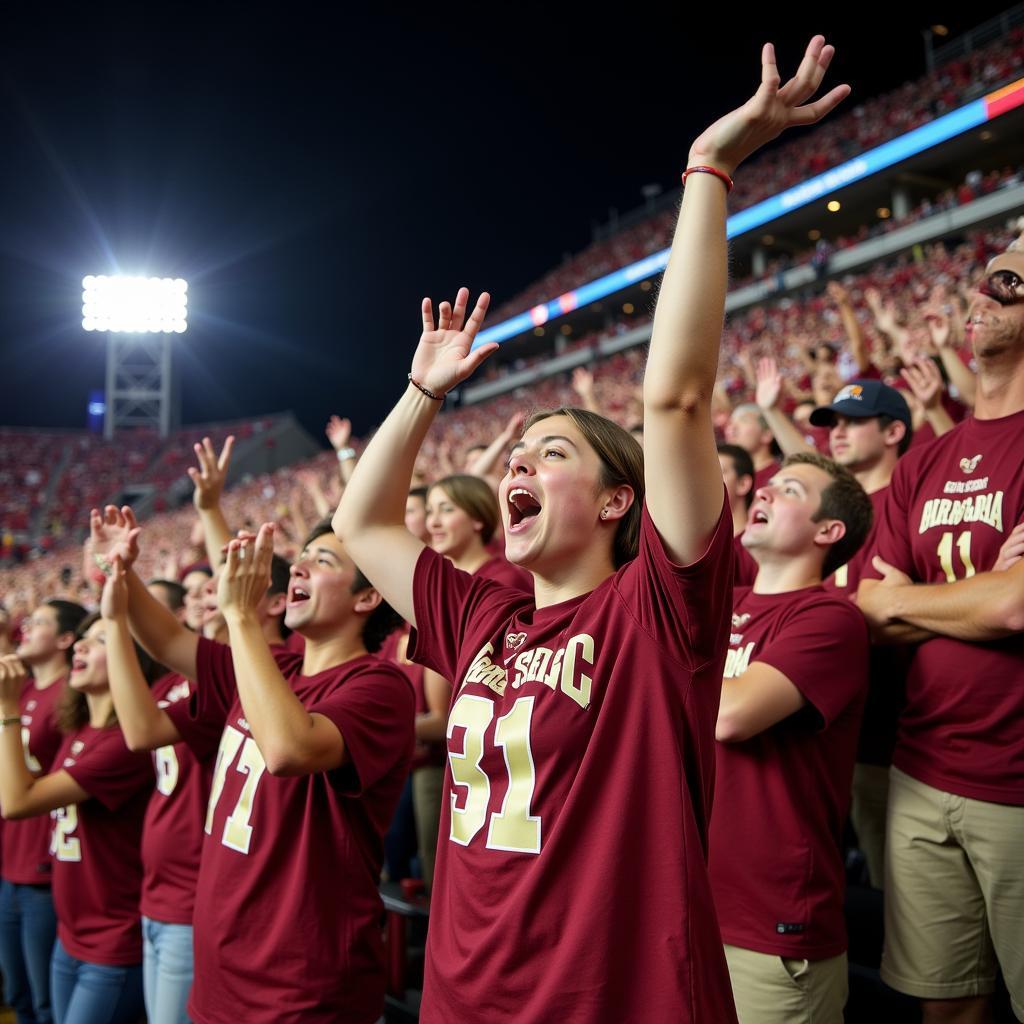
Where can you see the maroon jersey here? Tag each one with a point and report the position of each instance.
(887, 671)
(499, 569)
(26, 843)
(172, 837)
(763, 477)
(395, 649)
(97, 866)
(745, 568)
(571, 882)
(783, 795)
(288, 928)
(952, 505)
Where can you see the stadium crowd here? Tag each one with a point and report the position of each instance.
(864, 127)
(729, 607)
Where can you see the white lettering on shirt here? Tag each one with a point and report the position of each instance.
(965, 486)
(982, 508)
(562, 669)
(737, 660)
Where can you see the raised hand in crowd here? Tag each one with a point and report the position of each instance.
(339, 433)
(925, 382)
(209, 480)
(583, 385)
(211, 475)
(114, 531)
(851, 325)
(489, 463)
(768, 394)
(310, 480)
(944, 321)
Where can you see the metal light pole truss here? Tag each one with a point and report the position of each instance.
(138, 382)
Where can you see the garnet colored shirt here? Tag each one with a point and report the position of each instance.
(97, 866)
(26, 843)
(782, 796)
(288, 922)
(571, 882)
(499, 569)
(172, 837)
(763, 477)
(887, 670)
(952, 505)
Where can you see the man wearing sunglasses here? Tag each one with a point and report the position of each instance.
(954, 869)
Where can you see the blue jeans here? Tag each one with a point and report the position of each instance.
(166, 970)
(86, 993)
(28, 927)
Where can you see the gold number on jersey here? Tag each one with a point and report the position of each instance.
(33, 765)
(945, 550)
(62, 845)
(513, 828)
(237, 830)
(165, 761)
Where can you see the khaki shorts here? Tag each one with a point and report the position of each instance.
(954, 894)
(778, 990)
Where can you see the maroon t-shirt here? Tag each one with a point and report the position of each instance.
(745, 568)
(26, 843)
(888, 666)
(571, 882)
(395, 649)
(762, 477)
(97, 866)
(288, 928)
(501, 570)
(951, 506)
(172, 837)
(783, 795)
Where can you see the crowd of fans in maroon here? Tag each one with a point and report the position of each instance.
(814, 650)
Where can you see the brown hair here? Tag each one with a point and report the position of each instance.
(474, 496)
(383, 620)
(844, 499)
(72, 711)
(622, 462)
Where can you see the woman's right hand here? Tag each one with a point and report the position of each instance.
(445, 356)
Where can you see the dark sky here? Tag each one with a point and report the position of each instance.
(313, 170)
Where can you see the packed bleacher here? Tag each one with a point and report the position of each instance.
(707, 713)
(864, 127)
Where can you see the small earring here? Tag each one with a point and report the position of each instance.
(604, 513)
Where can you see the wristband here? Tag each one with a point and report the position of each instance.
(344, 454)
(13, 720)
(703, 169)
(426, 391)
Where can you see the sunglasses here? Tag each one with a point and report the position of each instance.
(1006, 287)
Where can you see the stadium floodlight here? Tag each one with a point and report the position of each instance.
(135, 305)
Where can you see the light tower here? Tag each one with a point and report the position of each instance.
(140, 316)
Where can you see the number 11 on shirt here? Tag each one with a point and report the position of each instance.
(513, 828)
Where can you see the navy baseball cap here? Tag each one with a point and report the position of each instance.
(863, 398)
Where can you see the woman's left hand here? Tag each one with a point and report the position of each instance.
(771, 110)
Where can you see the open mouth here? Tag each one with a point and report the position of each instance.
(297, 595)
(522, 507)
(79, 665)
(760, 516)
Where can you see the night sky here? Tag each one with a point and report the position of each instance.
(313, 170)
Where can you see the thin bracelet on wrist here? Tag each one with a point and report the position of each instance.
(344, 454)
(419, 387)
(704, 169)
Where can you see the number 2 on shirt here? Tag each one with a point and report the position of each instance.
(62, 845)
(512, 828)
(237, 830)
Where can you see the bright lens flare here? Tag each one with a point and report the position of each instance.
(135, 305)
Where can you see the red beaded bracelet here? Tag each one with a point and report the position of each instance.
(419, 387)
(702, 169)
